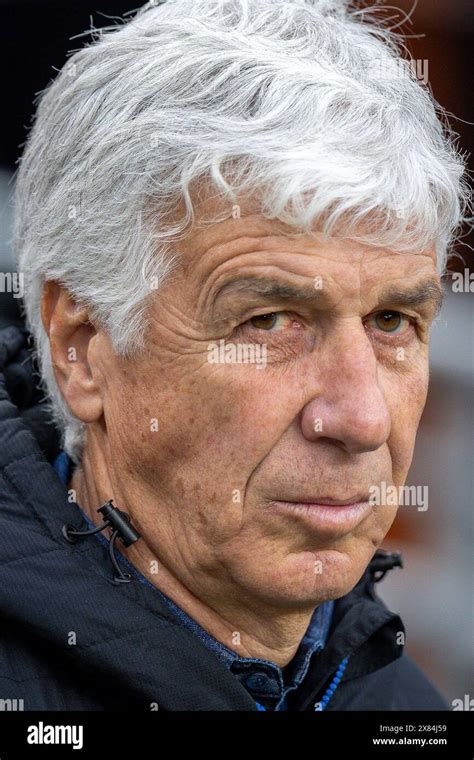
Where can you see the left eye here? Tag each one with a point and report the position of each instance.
(391, 321)
(269, 321)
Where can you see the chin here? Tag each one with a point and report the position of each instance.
(301, 580)
(341, 572)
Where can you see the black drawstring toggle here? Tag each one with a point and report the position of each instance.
(121, 526)
(383, 562)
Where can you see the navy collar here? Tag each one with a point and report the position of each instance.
(264, 680)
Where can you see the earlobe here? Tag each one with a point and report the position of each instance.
(71, 338)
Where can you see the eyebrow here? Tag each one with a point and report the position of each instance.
(270, 289)
(416, 296)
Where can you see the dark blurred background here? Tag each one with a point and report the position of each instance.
(434, 592)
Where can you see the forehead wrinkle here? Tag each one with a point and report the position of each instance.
(224, 241)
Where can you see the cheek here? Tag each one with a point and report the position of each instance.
(407, 401)
(198, 438)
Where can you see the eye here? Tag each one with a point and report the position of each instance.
(391, 322)
(269, 321)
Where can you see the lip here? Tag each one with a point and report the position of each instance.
(328, 517)
(333, 502)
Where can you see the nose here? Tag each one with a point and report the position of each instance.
(349, 409)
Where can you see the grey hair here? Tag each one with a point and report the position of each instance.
(305, 101)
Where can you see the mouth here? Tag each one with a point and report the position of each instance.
(330, 501)
(332, 517)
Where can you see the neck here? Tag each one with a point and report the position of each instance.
(247, 626)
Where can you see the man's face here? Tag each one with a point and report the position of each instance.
(215, 450)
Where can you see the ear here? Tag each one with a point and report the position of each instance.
(72, 340)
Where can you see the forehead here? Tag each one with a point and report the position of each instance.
(221, 227)
(214, 250)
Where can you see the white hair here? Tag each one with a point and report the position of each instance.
(306, 102)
